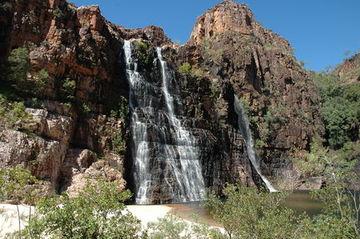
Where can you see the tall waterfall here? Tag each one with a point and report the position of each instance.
(140, 147)
(166, 165)
(244, 128)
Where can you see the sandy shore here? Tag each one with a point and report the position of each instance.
(9, 222)
(149, 213)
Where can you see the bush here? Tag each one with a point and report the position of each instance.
(12, 114)
(316, 160)
(68, 89)
(143, 52)
(58, 13)
(341, 119)
(122, 109)
(97, 212)
(41, 79)
(19, 66)
(215, 88)
(248, 213)
(17, 70)
(340, 109)
(85, 108)
(185, 68)
(119, 144)
(13, 182)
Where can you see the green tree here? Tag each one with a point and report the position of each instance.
(185, 68)
(12, 114)
(19, 65)
(17, 70)
(97, 212)
(340, 109)
(249, 213)
(14, 187)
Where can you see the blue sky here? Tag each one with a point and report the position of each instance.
(322, 32)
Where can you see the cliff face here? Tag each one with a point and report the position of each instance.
(230, 47)
(228, 53)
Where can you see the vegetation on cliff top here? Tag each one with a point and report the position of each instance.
(340, 109)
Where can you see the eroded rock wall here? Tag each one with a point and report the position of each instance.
(228, 52)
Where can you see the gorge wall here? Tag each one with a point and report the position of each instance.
(80, 124)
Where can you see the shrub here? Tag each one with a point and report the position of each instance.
(13, 182)
(122, 109)
(68, 89)
(118, 144)
(316, 160)
(58, 13)
(143, 52)
(215, 88)
(248, 213)
(185, 68)
(340, 109)
(341, 119)
(17, 70)
(19, 66)
(97, 212)
(85, 108)
(12, 114)
(41, 79)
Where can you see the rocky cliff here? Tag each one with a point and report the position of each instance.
(79, 121)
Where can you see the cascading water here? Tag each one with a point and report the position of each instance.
(244, 127)
(140, 147)
(166, 166)
(190, 176)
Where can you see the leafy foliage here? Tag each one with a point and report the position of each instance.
(17, 71)
(122, 109)
(68, 89)
(97, 212)
(314, 163)
(247, 213)
(85, 108)
(19, 65)
(143, 52)
(185, 68)
(58, 13)
(119, 144)
(12, 114)
(13, 182)
(340, 109)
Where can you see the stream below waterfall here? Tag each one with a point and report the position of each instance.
(299, 201)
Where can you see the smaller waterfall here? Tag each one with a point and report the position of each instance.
(244, 127)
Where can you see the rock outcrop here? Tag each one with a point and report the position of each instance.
(82, 115)
(349, 71)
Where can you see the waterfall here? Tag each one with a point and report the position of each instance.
(140, 146)
(244, 127)
(166, 164)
